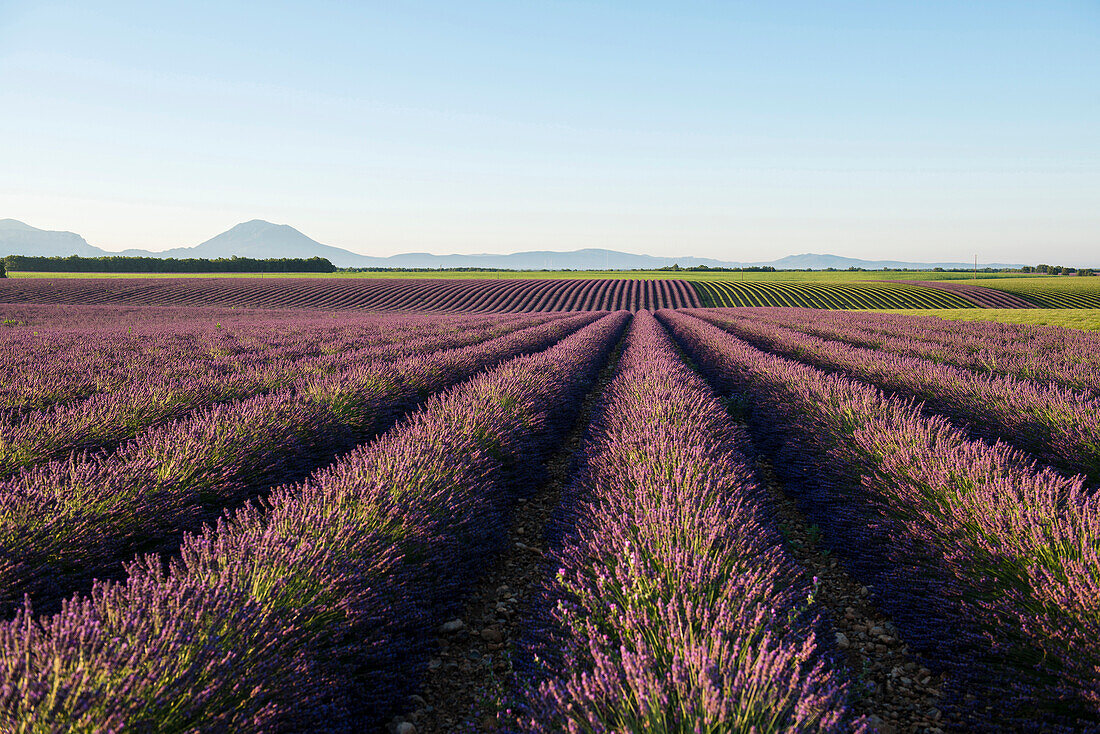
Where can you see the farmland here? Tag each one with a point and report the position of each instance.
(554, 505)
(826, 276)
(528, 292)
(1052, 292)
(429, 295)
(507, 295)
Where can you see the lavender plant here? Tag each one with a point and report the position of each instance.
(67, 522)
(675, 607)
(986, 560)
(192, 376)
(1068, 357)
(1056, 424)
(310, 611)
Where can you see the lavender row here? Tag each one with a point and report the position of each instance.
(1058, 425)
(106, 419)
(675, 606)
(1069, 357)
(986, 561)
(46, 368)
(51, 367)
(102, 316)
(312, 612)
(67, 522)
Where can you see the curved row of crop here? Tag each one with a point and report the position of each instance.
(1069, 357)
(980, 296)
(312, 613)
(724, 293)
(437, 295)
(679, 592)
(1056, 424)
(986, 562)
(67, 522)
(1047, 291)
(516, 295)
(1054, 299)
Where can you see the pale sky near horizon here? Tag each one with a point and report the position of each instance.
(736, 130)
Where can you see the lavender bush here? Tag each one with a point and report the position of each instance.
(311, 611)
(1058, 425)
(676, 607)
(66, 522)
(1069, 357)
(192, 375)
(57, 354)
(984, 559)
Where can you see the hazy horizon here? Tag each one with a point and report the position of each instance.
(731, 131)
(1086, 262)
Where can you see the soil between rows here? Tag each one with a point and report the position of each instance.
(466, 686)
(888, 681)
(889, 684)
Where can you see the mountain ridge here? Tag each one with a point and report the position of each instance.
(259, 239)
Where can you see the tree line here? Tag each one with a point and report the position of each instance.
(1057, 270)
(675, 267)
(123, 264)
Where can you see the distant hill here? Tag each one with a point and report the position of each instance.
(589, 259)
(260, 239)
(17, 238)
(821, 262)
(256, 239)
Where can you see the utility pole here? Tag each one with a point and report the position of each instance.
(975, 268)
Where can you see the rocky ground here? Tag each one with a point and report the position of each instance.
(890, 685)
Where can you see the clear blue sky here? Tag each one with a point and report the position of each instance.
(920, 131)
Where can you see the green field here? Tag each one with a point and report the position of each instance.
(1075, 318)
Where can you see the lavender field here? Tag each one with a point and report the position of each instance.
(692, 520)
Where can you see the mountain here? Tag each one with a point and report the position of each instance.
(260, 239)
(17, 238)
(810, 261)
(589, 259)
(257, 239)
